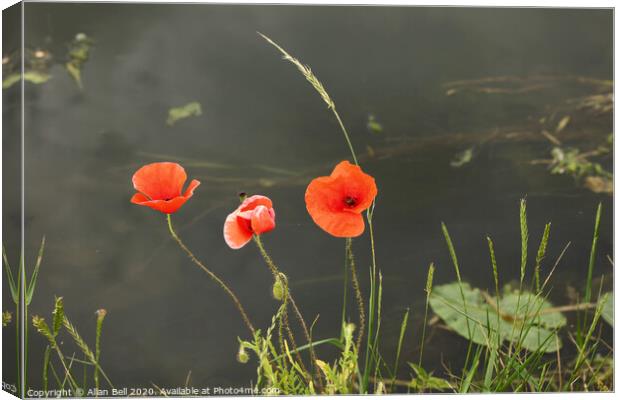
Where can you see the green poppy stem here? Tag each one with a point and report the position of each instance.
(212, 275)
(276, 273)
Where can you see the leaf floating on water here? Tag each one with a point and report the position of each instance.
(75, 73)
(371, 151)
(79, 51)
(10, 80)
(533, 319)
(264, 182)
(175, 114)
(608, 308)
(462, 158)
(35, 77)
(373, 125)
(598, 184)
(562, 124)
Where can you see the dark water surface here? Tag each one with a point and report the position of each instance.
(264, 130)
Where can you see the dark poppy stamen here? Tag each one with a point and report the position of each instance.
(350, 201)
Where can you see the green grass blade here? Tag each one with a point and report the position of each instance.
(455, 261)
(401, 337)
(472, 371)
(333, 341)
(428, 289)
(9, 276)
(588, 293)
(35, 273)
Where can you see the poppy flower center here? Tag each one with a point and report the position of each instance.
(350, 201)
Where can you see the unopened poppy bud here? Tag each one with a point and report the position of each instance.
(278, 290)
(242, 356)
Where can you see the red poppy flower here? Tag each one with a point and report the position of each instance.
(336, 202)
(159, 186)
(254, 216)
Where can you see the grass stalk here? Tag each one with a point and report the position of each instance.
(455, 262)
(84, 348)
(542, 249)
(373, 302)
(318, 86)
(496, 281)
(428, 290)
(524, 240)
(41, 326)
(344, 293)
(46, 362)
(401, 338)
(592, 259)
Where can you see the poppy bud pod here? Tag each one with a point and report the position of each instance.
(278, 290)
(242, 356)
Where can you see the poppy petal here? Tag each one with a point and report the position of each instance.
(359, 185)
(235, 234)
(263, 220)
(340, 224)
(139, 198)
(189, 192)
(325, 193)
(165, 206)
(254, 201)
(323, 202)
(160, 181)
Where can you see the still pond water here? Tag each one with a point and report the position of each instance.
(264, 130)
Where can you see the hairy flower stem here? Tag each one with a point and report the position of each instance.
(276, 275)
(230, 293)
(284, 321)
(358, 293)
